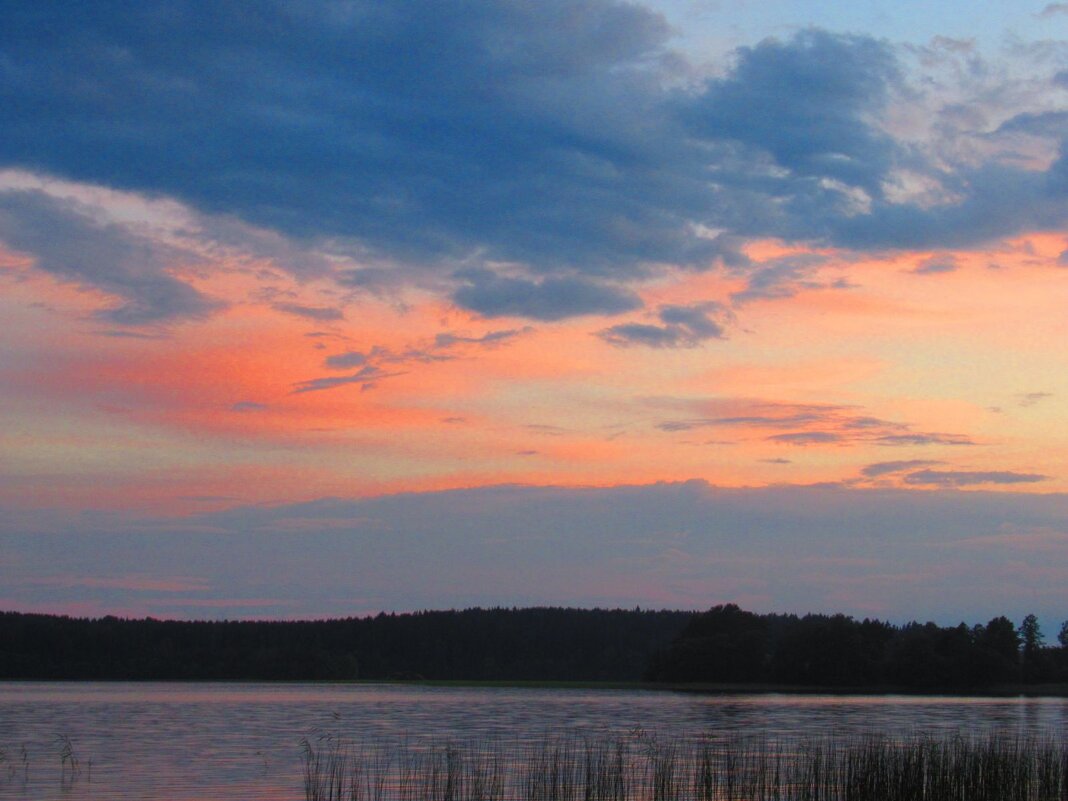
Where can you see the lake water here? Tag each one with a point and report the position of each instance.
(180, 742)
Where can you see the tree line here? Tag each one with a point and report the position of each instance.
(730, 645)
(547, 644)
(725, 645)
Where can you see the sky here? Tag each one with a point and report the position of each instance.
(328, 308)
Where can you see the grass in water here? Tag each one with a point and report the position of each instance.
(637, 767)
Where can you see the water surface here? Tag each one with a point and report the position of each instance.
(180, 742)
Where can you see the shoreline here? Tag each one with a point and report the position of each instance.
(712, 689)
(999, 691)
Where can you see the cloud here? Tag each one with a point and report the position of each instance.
(915, 438)
(805, 423)
(780, 278)
(1016, 541)
(122, 333)
(806, 109)
(449, 339)
(936, 265)
(223, 234)
(888, 468)
(652, 336)
(372, 362)
(552, 145)
(1061, 79)
(567, 546)
(423, 355)
(373, 279)
(995, 201)
(178, 584)
(445, 341)
(248, 406)
(346, 360)
(66, 241)
(1053, 9)
(965, 478)
(695, 319)
(1027, 399)
(684, 327)
(804, 103)
(317, 313)
(549, 299)
(760, 414)
(1051, 124)
(529, 132)
(807, 437)
(365, 378)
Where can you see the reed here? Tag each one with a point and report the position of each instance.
(639, 767)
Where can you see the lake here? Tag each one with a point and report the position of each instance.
(186, 742)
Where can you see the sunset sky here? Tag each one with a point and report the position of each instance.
(327, 308)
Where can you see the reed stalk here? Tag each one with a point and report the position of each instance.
(643, 768)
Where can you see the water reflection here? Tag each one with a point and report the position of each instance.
(195, 741)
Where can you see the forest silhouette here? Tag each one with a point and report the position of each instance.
(724, 646)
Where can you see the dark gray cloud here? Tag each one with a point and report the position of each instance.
(1063, 258)
(248, 406)
(323, 314)
(997, 201)
(807, 424)
(1056, 180)
(807, 437)
(1052, 9)
(966, 478)
(803, 103)
(365, 378)
(780, 278)
(546, 299)
(766, 415)
(372, 279)
(817, 92)
(916, 438)
(695, 319)
(528, 131)
(346, 360)
(683, 327)
(888, 468)
(547, 136)
(652, 336)
(1053, 124)
(373, 363)
(449, 339)
(125, 333)
(1027, 399)
(372, 368)
(380, 354)
(774, 414)
(936, 265)
(67, 242)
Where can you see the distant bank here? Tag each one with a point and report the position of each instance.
(724, 649)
